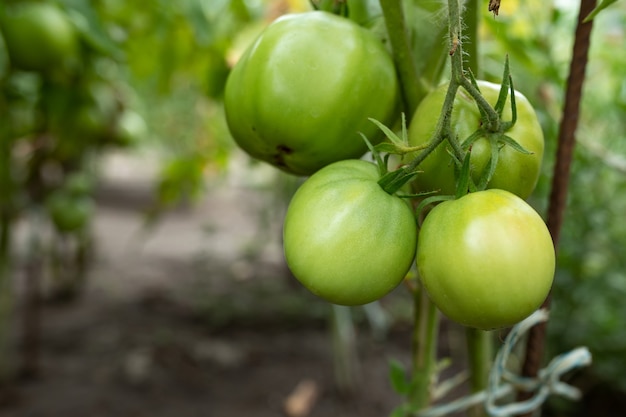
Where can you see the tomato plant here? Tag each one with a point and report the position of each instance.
(346, 239)
(516, 172)
(486, 260)
(302, 92)
(38, 36)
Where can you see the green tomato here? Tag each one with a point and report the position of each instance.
(69, 213)
(38, 36)
(345, 239)
(516, 172)
(78, 184)
(302, 92)
(130, 129)
(486, 260)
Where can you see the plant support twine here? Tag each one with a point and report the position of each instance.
(503, 382)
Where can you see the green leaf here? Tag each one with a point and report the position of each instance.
(504, 88)
(394, 180)
(431, 200)
(467, 143)
(398, 377)
(388, 132)
(487, 173)
(509, 141)
(382, 165)
(603, 5)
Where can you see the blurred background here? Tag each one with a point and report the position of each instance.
(141, 266)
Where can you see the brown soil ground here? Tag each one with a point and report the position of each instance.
(198, 316)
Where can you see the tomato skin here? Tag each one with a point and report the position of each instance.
(515, 172)
(303, 90)
(38, 36)
(345, 238)
(486, 260)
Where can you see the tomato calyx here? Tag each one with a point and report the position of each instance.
(492, 127)
(392, 181)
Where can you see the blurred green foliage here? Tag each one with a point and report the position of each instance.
(177, 56)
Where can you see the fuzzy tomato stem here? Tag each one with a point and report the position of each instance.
(412, 90)
(425, 332)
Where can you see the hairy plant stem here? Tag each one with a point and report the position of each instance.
(426, 316)
(442, 130)
(425, 333)
(426, 324)
(480, 354)
(479, 343)
(471, 18)
(412, 90)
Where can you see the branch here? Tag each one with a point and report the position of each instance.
(560, 179)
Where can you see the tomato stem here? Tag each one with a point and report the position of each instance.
(493, 118)
(480, 354)
(471, 19)
(425, 334)
(412, 90)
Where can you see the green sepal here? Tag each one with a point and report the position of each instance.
(467, 143)
(416, 195)
(509, 141)
(504, 88)
(431, 200)
(464, 176)
(487, 173)
(398, 145)
(390, 134)
(394, 180)
(380, 162)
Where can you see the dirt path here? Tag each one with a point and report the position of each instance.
(196, 317)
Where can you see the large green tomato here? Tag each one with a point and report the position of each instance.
(516, 172)
(302, 92)
(486, 260)
(38, 36)
(345, 238)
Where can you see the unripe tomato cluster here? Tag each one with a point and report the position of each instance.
(77, 108)
(298, 99)
(39, 36)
